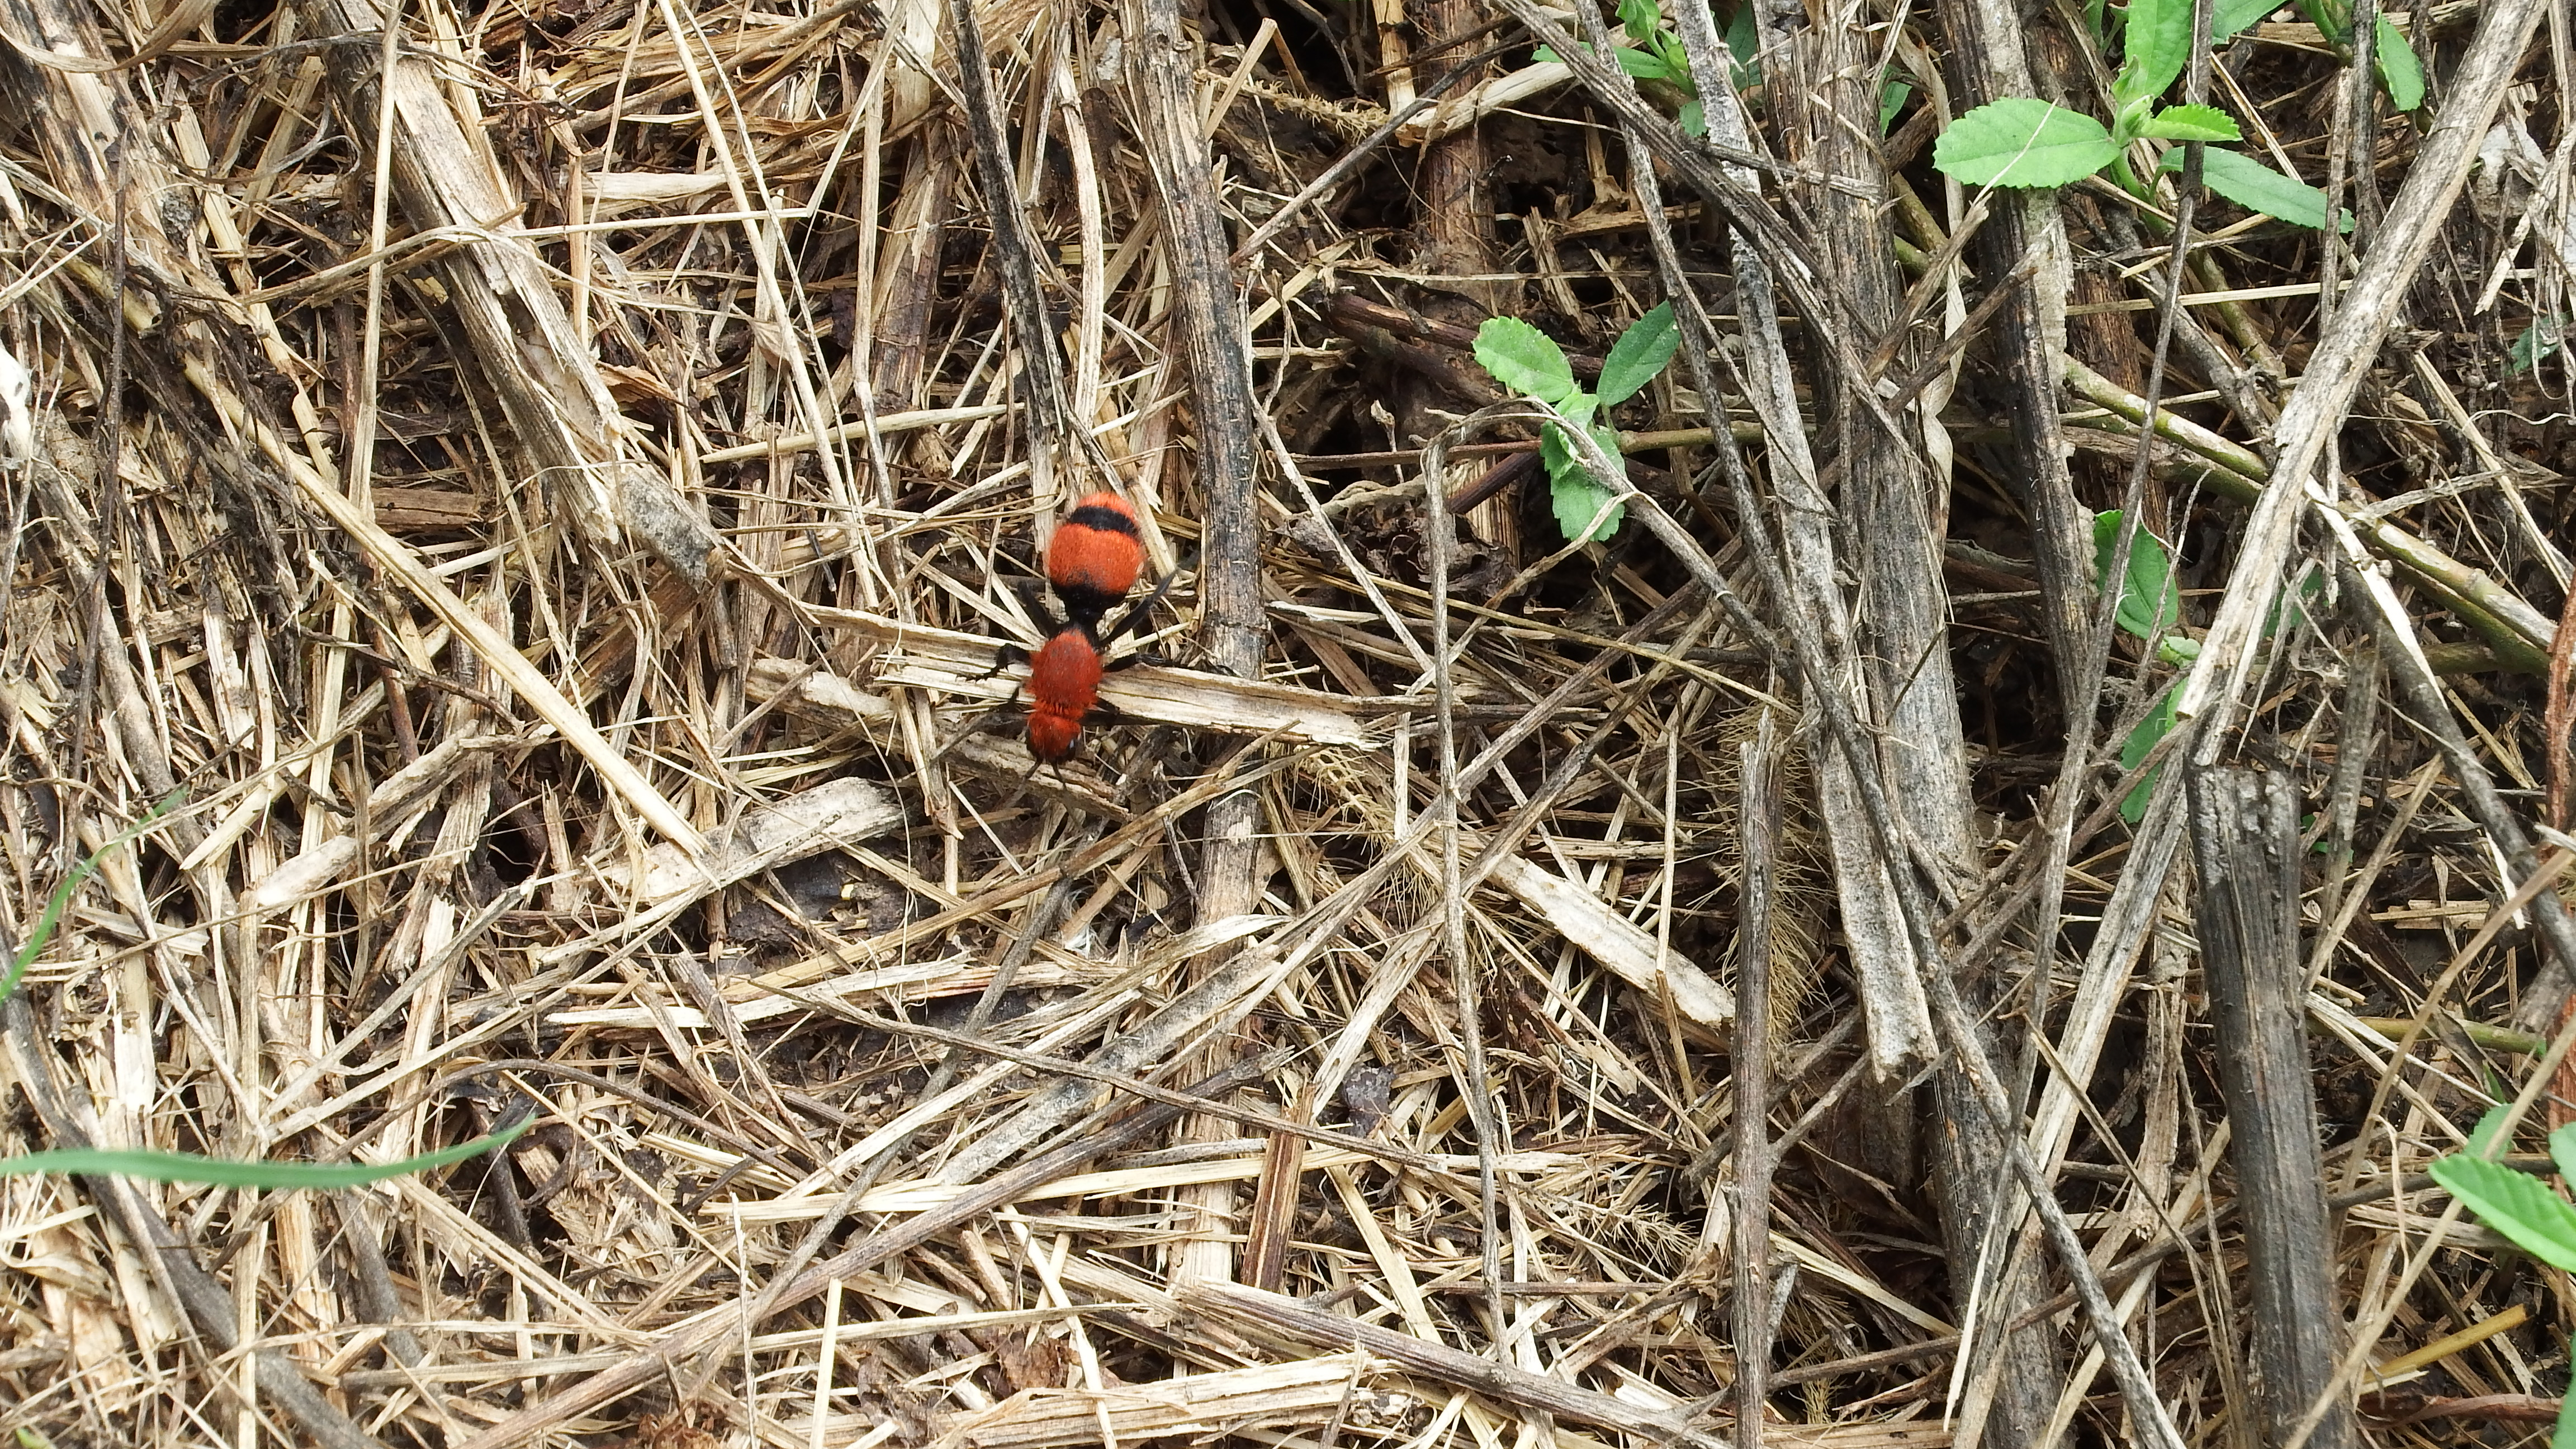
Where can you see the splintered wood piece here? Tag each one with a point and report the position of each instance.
(2245, 850)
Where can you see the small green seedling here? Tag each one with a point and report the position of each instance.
(52, 916)
(185, 1166)
(2401, 74)
(2150, 607)
(1529, 362)
(1891, 100)
(2520, 1207)
(1654, 55)
(2537, 344)
(2022, 142)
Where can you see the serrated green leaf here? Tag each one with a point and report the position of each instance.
(1524, 359)
(1574, 494)
(2257, 187)
(2491, 1123)
(2228, 17)
(2149, 602)
(224, 1172)
(1557, 454)
(2399, 69)
(2158, 724)
(2537, 1220)
(2018, 141)
(2192, 123)
(1640, 353)
(2158, 45)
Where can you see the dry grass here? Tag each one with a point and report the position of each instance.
(553, 535)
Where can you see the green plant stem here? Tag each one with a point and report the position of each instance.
(2497, 1038)
(2129, 181)
(2101, 391)
(2238, 323)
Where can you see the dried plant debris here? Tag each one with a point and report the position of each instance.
(547, 505)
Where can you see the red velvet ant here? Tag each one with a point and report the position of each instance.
(1063, 685)
(1091, 563)
(1095, 556)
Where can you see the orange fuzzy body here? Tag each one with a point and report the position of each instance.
(1095, 556)
(1064, 683)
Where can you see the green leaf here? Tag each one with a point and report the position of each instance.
(2192, 123)
(2257, 187)
(2311, 583)
(2537, 1220)
(2149, 601)
(2564, 1436)
(1545, 54)
(1743, 45)
(1640, 353)
(1639, 17)
(2536, 344)
(2158, 724)
(1638, 63)
(1693, 119)
(1524, 359)
(2128, 123)
(2484, 1139)
(2227, 17)
(1891, 99)
(1574, 493)
(2399, 70)
(224, 1172)
(2562, 1150)
(2018, 141)
(62, 896)
(2334, 17)
(2158, 44)
(1677, 68)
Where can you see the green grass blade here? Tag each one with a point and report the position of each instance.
(62, 897)
(227, 1172)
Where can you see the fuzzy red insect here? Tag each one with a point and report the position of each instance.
(1064, 683)
(1095, 556)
